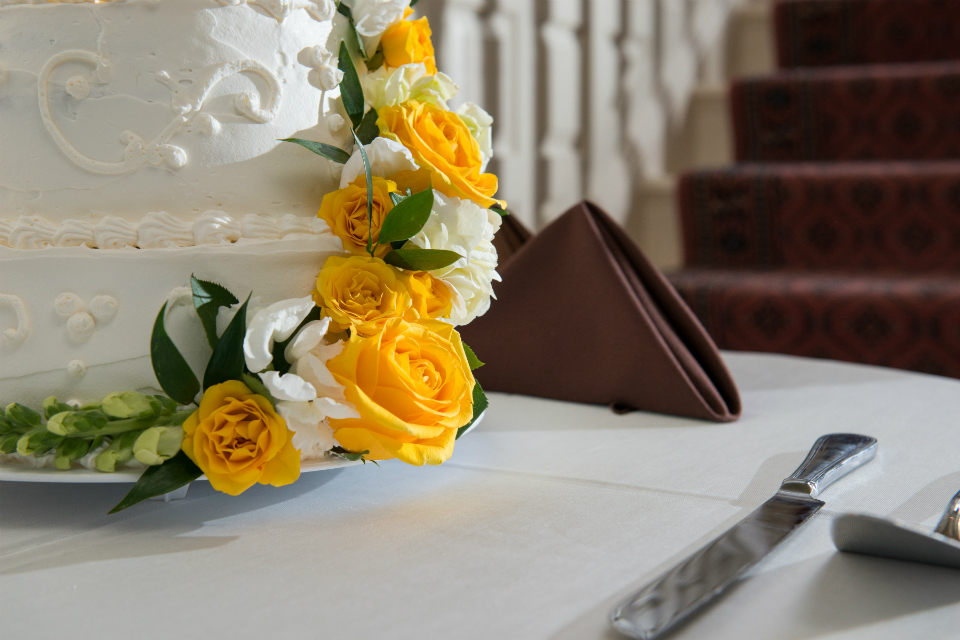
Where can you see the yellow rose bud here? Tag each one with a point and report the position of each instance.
(430, 297)
(238, 439)
(345, 210)
(413, 389)
(361, 292)
(440, 142)
(408, 42)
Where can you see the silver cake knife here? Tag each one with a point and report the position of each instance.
(659, 606)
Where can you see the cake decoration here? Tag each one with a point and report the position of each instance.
(353, 349)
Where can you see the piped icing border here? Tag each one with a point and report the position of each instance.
(157, 230)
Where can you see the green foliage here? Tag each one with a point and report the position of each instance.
(340, 452)
(173, 373)
(369, 176)
(480, 404)
(407, 217)
(256, 385)
(499, 211)
(421, 259)
(367, 130)
(37, 442)
(376, 60)
(328, 151)
(351, 93)
(119, 450)
(472, 358)
(8, 442)
(158, 480)
(21, 417)
(69, 450)
(208, 298)
(226, 363)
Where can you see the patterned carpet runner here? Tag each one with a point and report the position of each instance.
(838, 235)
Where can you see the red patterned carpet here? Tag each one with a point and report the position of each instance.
(839, 234)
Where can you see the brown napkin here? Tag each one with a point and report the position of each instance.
(582, 315)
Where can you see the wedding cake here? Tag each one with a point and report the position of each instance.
(235, 236)
(139, 144)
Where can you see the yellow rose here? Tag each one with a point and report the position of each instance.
(440, 142)
(361, 292)
(345, 210)
(413, 388)
(237, 440)
(431, 298)
(408, 42)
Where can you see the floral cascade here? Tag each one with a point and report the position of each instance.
(367, 366)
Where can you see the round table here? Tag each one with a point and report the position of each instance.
(544, 518)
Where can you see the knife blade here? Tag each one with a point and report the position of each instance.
(657, 608)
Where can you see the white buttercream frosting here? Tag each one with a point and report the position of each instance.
(137, 106)
(115, 233)
(216, 227)
(161, 230)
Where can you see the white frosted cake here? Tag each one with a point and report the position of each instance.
(139, 145)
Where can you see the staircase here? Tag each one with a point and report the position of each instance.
(837, 234)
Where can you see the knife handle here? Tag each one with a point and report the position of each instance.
(832, 457)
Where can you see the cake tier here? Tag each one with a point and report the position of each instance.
(135, 106)
(76, 322)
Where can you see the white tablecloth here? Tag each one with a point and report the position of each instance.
(546, 516)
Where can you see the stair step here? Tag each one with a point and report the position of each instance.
(843, 216)
(896, 321)
(882, 112)
(840, 32)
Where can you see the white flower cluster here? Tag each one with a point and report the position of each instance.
(308, 395)
(466, 228)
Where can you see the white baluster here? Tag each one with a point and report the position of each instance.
(678, 60)
(462, 53)
(562, 109)
(646, 113)
(608, 179)
(513, 24)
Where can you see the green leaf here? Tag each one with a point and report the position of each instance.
(480, 404)
(167, 405)
(367, 130)
(8, 443)
(173, 373)
(226, 363)
(344, 10)
(376, 60)
(328, 151)
(256, 385)
(69, 450)
(472, 358)
(369, 176)
(350, 90)
(397, 198)
(208, 297)
(413, 2)
(353, 457)
(156, 481)
(10, 426)
(421, 259)
(21, 416)
(37, 442)
(499, 211)
(280, 364)
(407, 218)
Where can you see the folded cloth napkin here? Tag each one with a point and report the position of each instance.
(582, 315)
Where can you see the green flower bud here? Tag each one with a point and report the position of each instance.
(119, 451)
(168, 405)
(37, 442)
(51, 407)
(8, 443)
(69, 450)
(156, 445)
(76, 422)
(130, 404)
(21, 416)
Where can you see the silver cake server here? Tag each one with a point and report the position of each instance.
(659, 606)
(872, 536)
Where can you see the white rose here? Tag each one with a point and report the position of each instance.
(386, 157)
(373, 17)
(480, 124)
(276, 323)
(466, 228)
(391, 87)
